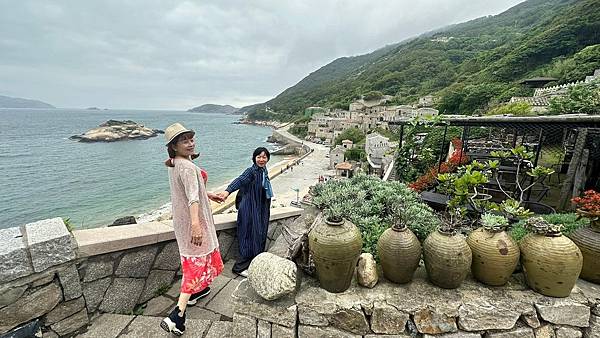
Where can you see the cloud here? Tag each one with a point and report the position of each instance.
(172, 55)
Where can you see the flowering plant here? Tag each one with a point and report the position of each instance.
(429, 179)
(590, 202)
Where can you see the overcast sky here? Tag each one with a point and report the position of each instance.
(149, 54)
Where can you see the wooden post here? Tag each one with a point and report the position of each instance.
(581, 174)
(567, 188)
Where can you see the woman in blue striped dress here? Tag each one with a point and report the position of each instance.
(254, 198)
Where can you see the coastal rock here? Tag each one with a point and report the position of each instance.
(272, 276)
(367, 270)
(123, 221)
(114, 130)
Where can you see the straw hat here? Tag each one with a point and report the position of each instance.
(176, 129)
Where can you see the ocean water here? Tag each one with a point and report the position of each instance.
(43, 174)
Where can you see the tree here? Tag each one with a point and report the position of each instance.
(355, 154)
(373, 95)
(353, 134)
(580, 99)
(515, 108)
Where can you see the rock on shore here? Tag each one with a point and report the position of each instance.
(113, 130)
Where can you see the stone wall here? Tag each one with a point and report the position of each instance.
(419, 309)
(58, 280)
(416, 309)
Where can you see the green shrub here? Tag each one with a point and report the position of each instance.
(370, 203)
(569, 221)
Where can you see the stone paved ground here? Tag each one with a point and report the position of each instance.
(210, 317)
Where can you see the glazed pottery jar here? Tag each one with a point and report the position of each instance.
(495, 255)
(551, 262)
(588, 241)
(399, 253)
(447, 258)
(335, 248)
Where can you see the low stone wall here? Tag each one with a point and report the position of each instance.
(60, 280)
(419, 309)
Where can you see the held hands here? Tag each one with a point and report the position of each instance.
(196, 234)
(215, 197)
(223, 195)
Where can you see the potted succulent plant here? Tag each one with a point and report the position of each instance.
(335, 245)
(551, 262)
(495, 253)
(588, 238)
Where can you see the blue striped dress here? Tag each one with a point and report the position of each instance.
(254, 211)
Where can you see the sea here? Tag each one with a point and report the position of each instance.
(44, 174)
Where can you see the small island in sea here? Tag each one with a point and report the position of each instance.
(215, 109)
(113, 130)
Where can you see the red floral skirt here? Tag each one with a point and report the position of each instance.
(199, 272)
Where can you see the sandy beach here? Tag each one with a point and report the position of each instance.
(287, 176)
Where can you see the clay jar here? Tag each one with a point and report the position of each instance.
(495, 256)
(335, 248)
(588, 241)
(551, 263)
(399, 253)
(447, 259)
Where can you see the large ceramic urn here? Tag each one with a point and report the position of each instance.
(447, 258)
(335, 247)
(495, 255)
(551, 262)
(588, 241)
(399, 253)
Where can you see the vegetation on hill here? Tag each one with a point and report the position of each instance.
(469, 65)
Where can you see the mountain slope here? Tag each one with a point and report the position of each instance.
(468, 64)
(16, 102)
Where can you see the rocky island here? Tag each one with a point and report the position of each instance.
(113, 130)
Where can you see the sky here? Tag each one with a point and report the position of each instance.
(150, 54)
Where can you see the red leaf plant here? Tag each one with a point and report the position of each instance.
(590, 202)
(429, 179)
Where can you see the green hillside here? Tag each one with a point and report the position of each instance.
(469, 65)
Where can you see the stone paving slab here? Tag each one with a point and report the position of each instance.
(144, 326)
(222, 303)
(215, 288)
(107, 326)
(195, 312)
(220, 330)
(159, 306)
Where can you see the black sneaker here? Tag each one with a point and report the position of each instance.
(174, 323)
(198, 295)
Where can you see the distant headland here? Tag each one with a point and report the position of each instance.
(113, 130)
(17, 102)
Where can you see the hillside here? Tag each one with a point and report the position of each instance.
(16, 102)
(468, 65)
(214, 108)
